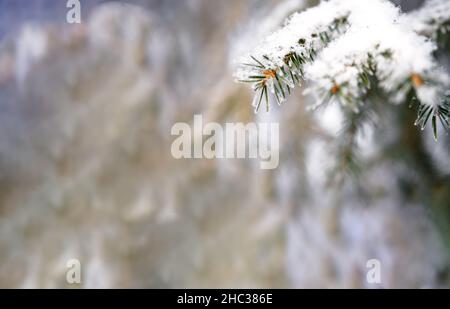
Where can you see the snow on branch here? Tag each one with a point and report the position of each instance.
(353, 52)
(432, 20)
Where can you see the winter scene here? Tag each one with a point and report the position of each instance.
(224, 144)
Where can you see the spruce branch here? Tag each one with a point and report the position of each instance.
(352, 53)
(271, 76)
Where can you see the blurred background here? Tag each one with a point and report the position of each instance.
(86, 112)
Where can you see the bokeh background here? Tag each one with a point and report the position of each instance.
(86, 172)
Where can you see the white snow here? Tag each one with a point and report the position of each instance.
(374, 27)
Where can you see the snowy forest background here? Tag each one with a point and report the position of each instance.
(86, 170)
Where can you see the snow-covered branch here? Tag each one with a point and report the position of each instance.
(354, 52)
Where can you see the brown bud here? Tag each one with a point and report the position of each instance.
(335, 89)
(269, 73)
(417, 80)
